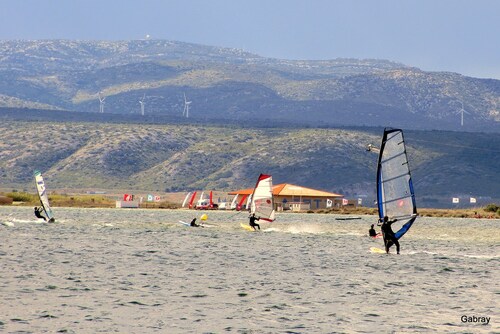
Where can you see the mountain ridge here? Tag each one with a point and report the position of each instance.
(237, 85)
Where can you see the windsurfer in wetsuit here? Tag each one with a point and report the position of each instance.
(252, 221)
(38, 214)
(193, 223)
(389, 236)
(372, 231)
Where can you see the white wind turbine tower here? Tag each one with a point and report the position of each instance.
(101, 103)
(141, 101)
(462, 111)
(185, 112)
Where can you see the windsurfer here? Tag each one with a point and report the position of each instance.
(372, 231)
(389, 236)
(38, 214)
(193, 223)
(252, 221)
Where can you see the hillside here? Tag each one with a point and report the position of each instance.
(163, 157)
(240, 87)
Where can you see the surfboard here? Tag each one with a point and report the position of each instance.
(247, 227)
(184, 223)
(377, 250)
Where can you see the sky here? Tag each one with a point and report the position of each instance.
(460, 36)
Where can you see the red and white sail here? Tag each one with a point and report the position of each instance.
(262, 204)
(233, 203)
(192, 200)
(240, 204)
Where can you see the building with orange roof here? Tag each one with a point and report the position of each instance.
(297, 198)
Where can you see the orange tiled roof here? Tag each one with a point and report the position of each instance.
(287, 189)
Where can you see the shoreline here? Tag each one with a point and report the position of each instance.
(173, 201)
(91, 201)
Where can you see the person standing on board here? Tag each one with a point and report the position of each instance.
(38, 214)
(389, 236)
(252, 221)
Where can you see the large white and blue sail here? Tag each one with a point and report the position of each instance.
(395, 193)
(42, 195)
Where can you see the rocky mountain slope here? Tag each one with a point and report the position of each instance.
(161, 157)
(238, 86)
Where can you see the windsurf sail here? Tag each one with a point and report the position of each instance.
(249, 202)
(186, 199)
(192, 200)
(42, 195)
(211, 204)
(233, 202)
(395, 194)
(240, 204)
(262, 204)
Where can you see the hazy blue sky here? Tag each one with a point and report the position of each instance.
(437, 35)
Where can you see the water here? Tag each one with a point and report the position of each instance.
(139, 271)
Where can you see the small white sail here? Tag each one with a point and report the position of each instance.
(186, 199)
(42, 195)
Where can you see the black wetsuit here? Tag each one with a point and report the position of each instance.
(193, 223)
(372, 232)
(253, 223)
(38, 214)
(389, 236)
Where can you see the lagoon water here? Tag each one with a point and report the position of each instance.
(140, 271)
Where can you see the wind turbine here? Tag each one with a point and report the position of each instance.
(462, 111)
(141, 101)
(185, 112)
(101, 103)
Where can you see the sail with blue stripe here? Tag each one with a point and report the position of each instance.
(395, 193)
(43, 196)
